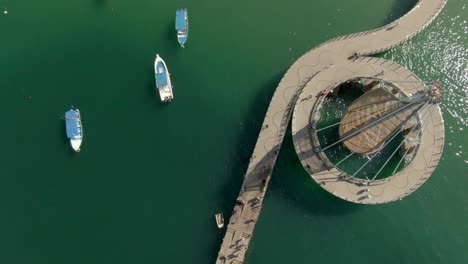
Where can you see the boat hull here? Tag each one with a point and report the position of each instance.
(76, 144)
(182, 38)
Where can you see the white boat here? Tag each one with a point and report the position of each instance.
(219, 220)
(182, 25)
(163, 80)
(74, 128)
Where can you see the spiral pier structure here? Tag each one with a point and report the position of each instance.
(409, 104)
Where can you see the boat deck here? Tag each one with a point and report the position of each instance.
(73, 127)
(161, 75)
(181, 19)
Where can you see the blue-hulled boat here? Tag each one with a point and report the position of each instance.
(74, 128)
(182, 25)
(163, 80)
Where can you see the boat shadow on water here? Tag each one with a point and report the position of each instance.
(169, 48)
(100, 3)
(171, 33)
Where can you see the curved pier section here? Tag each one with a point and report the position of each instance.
(318, 72)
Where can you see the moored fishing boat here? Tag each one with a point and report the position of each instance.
(182, 25)
(219, 220)
(163, 81)
(74, 128)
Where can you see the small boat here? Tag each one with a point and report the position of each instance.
(219, 220)
(74, 128)
(182, 25)
(163, 81)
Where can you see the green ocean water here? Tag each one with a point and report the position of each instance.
(150, 177)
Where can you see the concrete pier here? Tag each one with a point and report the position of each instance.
(323, 68)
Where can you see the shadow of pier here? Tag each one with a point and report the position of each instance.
(251, 127)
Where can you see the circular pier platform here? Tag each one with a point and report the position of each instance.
(368, 124)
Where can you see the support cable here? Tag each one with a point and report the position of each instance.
(398, 147)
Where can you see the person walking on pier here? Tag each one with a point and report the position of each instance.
(353, 57)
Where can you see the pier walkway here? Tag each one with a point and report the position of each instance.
(322, 68)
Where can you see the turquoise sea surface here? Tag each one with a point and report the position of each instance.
(150, 176)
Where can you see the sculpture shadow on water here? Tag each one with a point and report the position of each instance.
(399, 9)
(291, 183)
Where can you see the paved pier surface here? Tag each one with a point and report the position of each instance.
(322, 68)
